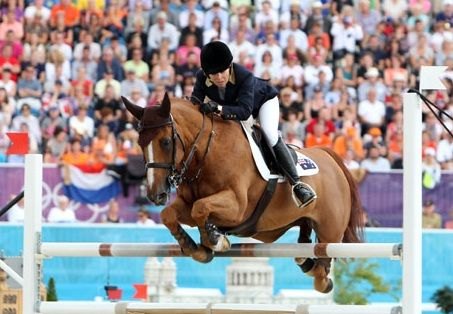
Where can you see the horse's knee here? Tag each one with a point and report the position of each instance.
(168, 216)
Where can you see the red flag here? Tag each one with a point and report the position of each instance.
(114, 294)
(19, 143)
(141, 291)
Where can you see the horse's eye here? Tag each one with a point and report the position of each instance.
(166, 142)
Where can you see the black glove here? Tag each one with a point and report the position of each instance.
(209, 107)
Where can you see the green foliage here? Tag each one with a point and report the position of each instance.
(355, 280)
(444, 299)
(51, 290)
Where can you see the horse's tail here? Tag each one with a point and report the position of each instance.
(354, 231)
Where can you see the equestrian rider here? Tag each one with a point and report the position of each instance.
(235, 94)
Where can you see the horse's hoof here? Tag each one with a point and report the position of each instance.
(329, 286)
(223, 244)
(203, 254)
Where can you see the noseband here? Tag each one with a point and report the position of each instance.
(176, 177)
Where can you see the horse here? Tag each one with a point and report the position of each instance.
(209, 162)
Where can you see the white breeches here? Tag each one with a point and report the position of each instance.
(269, 116)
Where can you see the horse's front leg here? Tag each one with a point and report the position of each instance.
(170, 216)
(222, 206)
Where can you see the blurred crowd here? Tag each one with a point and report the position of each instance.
(341, 67)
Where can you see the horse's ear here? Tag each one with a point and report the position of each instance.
(165, 106)
(135, 110)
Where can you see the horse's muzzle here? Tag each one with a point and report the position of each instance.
(160, 199)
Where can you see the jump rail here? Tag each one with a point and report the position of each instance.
(69, 307)
(307, 250)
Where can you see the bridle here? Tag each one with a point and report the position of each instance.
(176, 177)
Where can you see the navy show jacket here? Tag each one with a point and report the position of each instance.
(244, 93)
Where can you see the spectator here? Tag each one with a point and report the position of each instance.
(267, 68)
(264, 14)
(188, 47)
(66, 32)
(445, 151)
(86, 40)
(11, 24)
(372, 81)
(191, 6)
(293, 128)
(56, 145)
(371, 112)
(29, 89)
(318, 138)
(113, 213)
(100, 89)
(16, 44)
(32, 47)
(346, 34)
(300, 38)
(349, 141)
(8, 83)
(431, 169)
(317, 18)
(162, 29)
(36, 8)
(68, 10)
(192, 29)
(103, 146)
(51, 121)
(8, 61)
(374, 161)
(217, 31)
(431, 219)
(75, 155)
(17, 212)
(216, 11)
(170, 10)
(87, 63)
(141, 15)
(109, 63)
(164, 73)
(25, 116)
(143, 218)
(81, 125)
(132, 83)
(449, 222)
(137, 65)
(107, 109)
(62, 212)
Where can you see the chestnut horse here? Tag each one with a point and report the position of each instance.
(210, 163)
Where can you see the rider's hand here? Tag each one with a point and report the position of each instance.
(210, 107)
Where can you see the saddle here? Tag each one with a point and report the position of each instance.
(270, 171)
(265, 159)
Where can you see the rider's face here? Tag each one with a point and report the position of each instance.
(220, 79)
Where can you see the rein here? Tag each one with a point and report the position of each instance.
(175, 176)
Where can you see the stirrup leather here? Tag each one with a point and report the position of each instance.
(308, 191)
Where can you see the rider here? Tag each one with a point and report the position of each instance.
(235, 94)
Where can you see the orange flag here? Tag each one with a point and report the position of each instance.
(19, 143)
(141, 291)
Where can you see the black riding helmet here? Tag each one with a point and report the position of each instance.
(215, 57)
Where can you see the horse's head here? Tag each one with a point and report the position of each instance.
(157, 138)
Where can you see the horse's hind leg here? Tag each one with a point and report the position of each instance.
(317, 268)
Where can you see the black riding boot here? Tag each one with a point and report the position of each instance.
(303, 193)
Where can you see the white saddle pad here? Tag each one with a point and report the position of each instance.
(305, 165)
